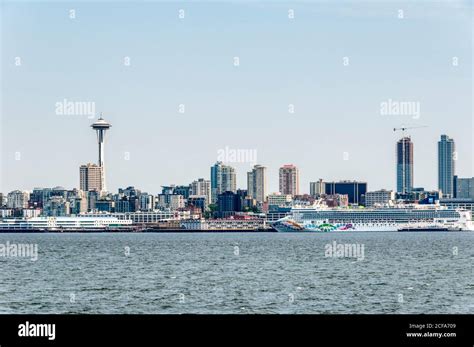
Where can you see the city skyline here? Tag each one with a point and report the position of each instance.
(222, 176)
(318, 119)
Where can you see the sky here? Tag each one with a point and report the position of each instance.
(307, 90)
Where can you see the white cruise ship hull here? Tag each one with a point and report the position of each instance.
(303, 220)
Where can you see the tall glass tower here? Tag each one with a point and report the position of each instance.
(446, 149)
(404, 165)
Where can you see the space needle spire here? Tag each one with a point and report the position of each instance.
(101, 126)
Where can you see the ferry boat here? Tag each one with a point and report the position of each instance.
(64, 224)
(394, 218)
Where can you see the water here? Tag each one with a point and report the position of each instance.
(239, 273)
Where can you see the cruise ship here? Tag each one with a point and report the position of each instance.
(394, 218)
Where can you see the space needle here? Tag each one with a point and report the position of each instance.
(101, 126)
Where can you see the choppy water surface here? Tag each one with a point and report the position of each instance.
(239, 273)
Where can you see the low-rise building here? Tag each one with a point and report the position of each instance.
(279, 199)
(105, 205)
(145, 217)
(336, 200)
(56, 206)
(6, 212)
(31, 212)
(224, 224)
(379, 198)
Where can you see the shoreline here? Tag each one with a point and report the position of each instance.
(151, 230)
(191, 231)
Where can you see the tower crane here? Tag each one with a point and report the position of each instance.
(405, 128)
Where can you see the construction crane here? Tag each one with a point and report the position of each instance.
(404, 128)
(404, 163)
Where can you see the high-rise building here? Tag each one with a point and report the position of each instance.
(289, 180)
(101, 127)
(223, 179)
(18, 199)
(167, 190)
(228, 203)
(257, 183)
(129, 192)
(36, 198)
(464, 188)
(199, 201)
(185, 191)
(92, 197)
(40, 195)
(455, 186)
(201, 187)
(404, 165)
(122, 205)
(170, 201)
(146, 202)
(446, 167)
(317, 188)
(353, 189)
(77, 201)
(90, 177)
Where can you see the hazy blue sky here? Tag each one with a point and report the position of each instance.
(190, 61)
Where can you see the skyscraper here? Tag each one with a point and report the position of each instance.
(222, 180)
(404, 165)
(101, 127)
(257, 183)
(90, 177)
(446, 166)
(289, 180)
